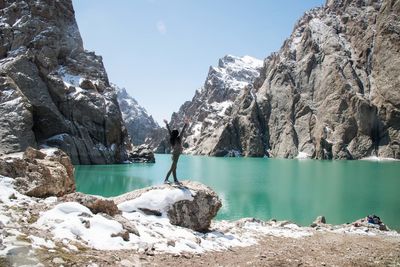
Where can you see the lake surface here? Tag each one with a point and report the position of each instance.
(296, 190)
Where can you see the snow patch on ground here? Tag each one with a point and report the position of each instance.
(73, 221)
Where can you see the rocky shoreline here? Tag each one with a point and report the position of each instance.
(149, 226)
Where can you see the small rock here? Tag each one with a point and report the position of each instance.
(126, 263)
(124, 234)
(58, 261)
(87, 84)
(283, 223)
(150, 253)
(150, 212)
(320, 219)
(87, 224)
(31, 153)
(127, 225)
(383, 227)
(85, 214)
(171, 243)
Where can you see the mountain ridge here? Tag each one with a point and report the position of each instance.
(330, 92)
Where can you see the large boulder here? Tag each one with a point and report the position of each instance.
(40, 173)
(191, 205)
(195, 214)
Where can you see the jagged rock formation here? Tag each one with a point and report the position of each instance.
(53, 92)
(141, 154)
(331, 92)
(40, 173)
(211, 107)
(140, 125)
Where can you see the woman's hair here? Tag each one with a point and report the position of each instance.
(174, 137)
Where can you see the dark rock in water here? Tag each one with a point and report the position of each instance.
(141, 154)
(319, 220)
(52, 91)
(36, 176)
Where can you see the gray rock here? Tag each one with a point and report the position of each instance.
(126, 224)
(123, 234)
(195, 214)
(60, 93)
(318, 221)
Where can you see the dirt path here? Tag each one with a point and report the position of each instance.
(321, 249)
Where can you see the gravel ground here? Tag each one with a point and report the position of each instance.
(321, 249)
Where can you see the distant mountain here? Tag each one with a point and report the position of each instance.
(139, 123)
(331, 92)
(212, 105)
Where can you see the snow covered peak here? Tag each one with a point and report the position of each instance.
(230, 61)
(233, 73)
(211, 106)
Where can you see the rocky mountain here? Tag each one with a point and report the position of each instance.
(52, 91)
(331, 92)
(138, 122)
(212, 105)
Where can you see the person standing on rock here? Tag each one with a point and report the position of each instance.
(176, 145)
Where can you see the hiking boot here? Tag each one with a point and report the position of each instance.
(177, 182)
(167, 182)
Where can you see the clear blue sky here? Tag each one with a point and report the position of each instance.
(161, 50)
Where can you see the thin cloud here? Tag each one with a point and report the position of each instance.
(161, 27)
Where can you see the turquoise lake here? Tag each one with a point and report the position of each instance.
(296, 190)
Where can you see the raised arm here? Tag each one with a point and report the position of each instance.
(169, 130)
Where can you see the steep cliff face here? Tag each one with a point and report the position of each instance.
(53, 92)
(329, 92)
(211, 107)
(332, 91)
(138, 122)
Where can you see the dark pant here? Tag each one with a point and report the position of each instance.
(173, 167)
